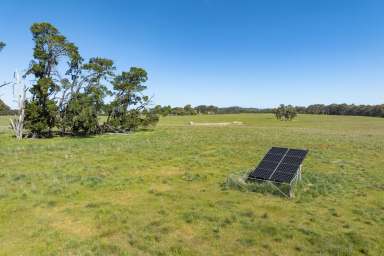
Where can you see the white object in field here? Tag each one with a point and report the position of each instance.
(216, 124)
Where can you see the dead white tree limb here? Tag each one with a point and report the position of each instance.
(5, 84)
(17, 122)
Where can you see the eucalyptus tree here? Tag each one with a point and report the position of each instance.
(80, 113)
(285, 113)
(128, 111)
(2, 45)
(189, 110)
(50, 47)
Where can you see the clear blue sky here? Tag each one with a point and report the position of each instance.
(246, 53)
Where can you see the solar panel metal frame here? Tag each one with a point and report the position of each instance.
(282, 176)
(287, 163)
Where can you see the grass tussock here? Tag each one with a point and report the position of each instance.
(240, 181)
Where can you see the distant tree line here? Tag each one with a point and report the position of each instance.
(343, 109)
(68, 93)
(239, 110)
(321, 109)
(204, 109)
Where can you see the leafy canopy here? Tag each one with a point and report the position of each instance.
(128, 110)
(70, 94)
(50, 47)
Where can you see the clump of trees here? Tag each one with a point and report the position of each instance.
(68, 93)
(285, 113)
(187, 110)
(204, 109)
(162, 110)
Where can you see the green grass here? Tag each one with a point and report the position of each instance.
(163, 192)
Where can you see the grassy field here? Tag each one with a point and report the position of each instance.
(163, 192)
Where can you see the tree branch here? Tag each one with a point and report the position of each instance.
(5, 84)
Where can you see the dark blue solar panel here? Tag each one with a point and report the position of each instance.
(279, 164)
(277, 151)
(292, 160)
(273, 158)
(259, 173)
(267, 165)
(287, 168)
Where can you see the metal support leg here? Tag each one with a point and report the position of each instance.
(300, 172)
(291, 194)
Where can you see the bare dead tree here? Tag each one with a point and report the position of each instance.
(17, 122)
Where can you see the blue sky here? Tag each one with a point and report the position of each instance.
(248, 53)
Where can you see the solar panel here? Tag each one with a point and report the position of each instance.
(267, 165)
(279, 165)
(272, 158)
(287, 168)
(277, 151)
(292, 160)
(260, 173)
